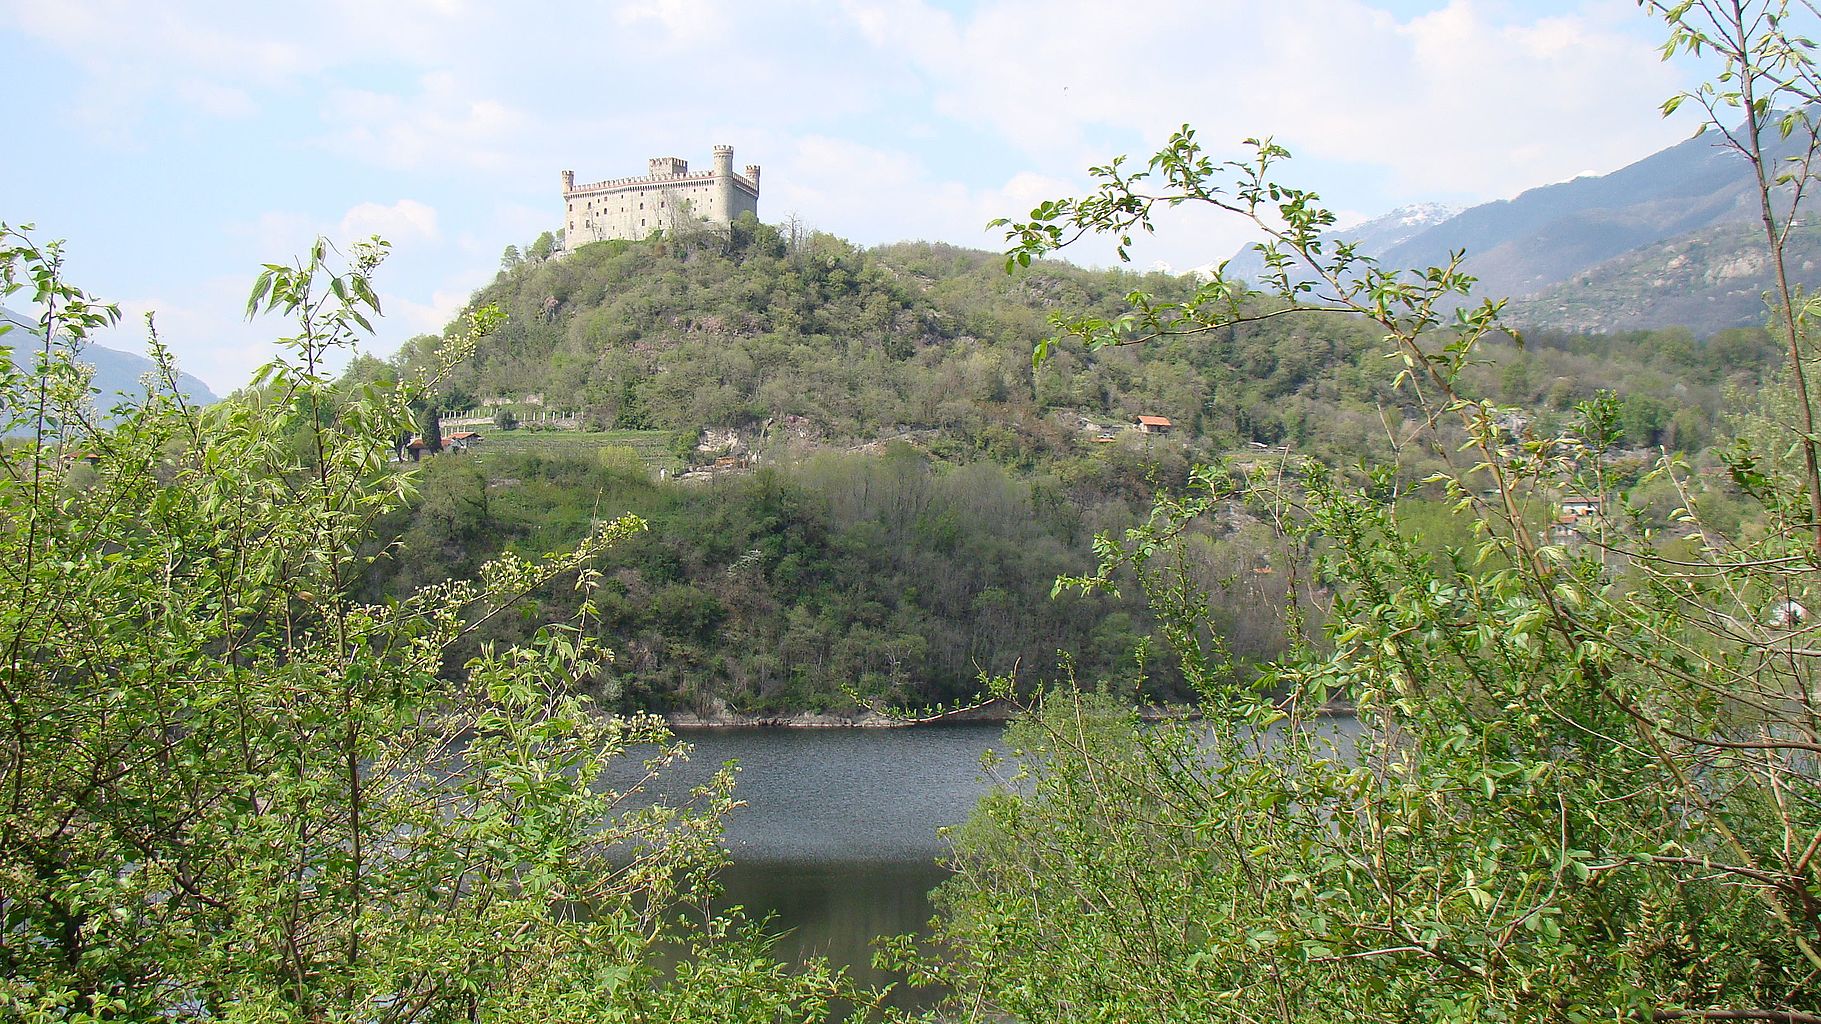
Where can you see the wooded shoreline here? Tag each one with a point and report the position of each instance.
(991, 711)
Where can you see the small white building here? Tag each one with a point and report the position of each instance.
(1787, 613)
(1580, 508)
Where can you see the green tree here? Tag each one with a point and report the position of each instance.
(1581, 785)
(1645, 419)
(429, 424)
(630, 414)
(233, 791)
(542, 249)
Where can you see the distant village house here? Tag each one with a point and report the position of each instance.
(1154, 425)
(1576, 513)
(1580, 508)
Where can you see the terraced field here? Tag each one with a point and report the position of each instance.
(653, 446)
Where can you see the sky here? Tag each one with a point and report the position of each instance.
(178, 145)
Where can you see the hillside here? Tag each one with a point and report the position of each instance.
(1374, 235)
(1543, 236)
(1708, 281)
(1662, 242)
(917, 487)
(828, 344)
(117, 373)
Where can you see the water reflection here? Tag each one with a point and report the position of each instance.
(837, 842)
(835, 909)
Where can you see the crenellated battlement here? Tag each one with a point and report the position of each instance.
(643, 180)
(750, 182)
(634, 207)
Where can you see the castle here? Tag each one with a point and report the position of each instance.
(635, 207)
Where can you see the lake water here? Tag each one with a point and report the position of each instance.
(837, 841)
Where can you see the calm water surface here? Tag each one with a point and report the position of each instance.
(837, 842)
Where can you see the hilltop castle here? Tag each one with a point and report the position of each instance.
(635, 207)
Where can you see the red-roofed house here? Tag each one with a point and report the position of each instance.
(1154, 424)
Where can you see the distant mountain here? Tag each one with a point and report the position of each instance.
(116, 372)
(1372, 236)
(1400, 224)
(1665, 241)
(1707, 281)
(1546, 235)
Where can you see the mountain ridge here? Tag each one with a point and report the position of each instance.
(1690, 202)
(1372, 235)
(117, 373)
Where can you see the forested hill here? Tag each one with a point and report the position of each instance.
(903, 569)
(822, 342)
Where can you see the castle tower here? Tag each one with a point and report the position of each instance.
(723, 184)
(569, 182)
(752, 174)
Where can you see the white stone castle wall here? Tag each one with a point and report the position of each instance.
(743, 202)
(636, 210)
(633, 208)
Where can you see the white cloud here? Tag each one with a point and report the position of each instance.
(405, 220)
(211, 338)
(277, 235)
(228, 61)
(249, 43)
(418, 293)
(442, 123)
(681, 22)
(139, 57)
(903, 197)
(217, 100)
(1443, 101)
(231, 42)
(519, 223)
(204, 329)
(413, 317)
